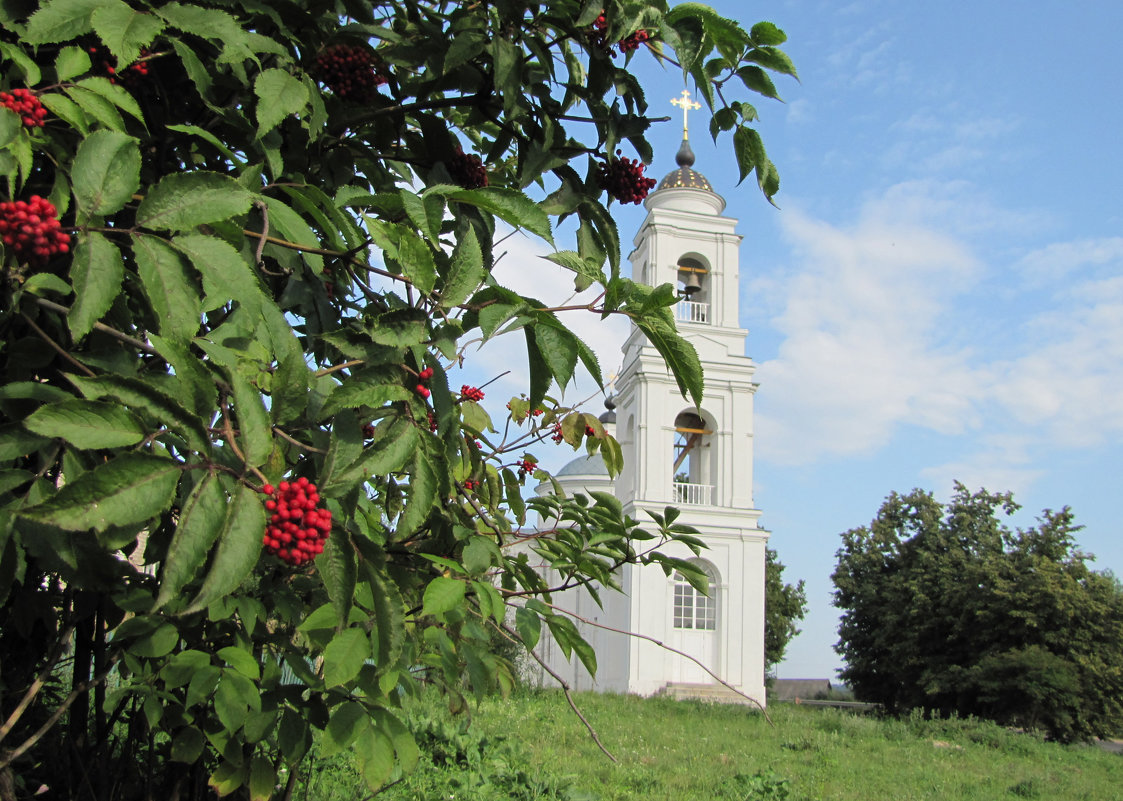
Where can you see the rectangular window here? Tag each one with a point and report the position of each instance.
(684, 606)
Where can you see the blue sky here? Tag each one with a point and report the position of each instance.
(940, 295)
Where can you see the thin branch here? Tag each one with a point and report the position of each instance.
(260, 206)
(11, 756)
(337, 367)
(666, 647)
(228, 433)
(296, 442)
(113, 332)
(40, 680)
(58, 348)
(568, 695)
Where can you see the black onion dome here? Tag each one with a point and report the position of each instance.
(685, 177)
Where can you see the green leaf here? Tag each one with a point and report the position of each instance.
(66, 110)
(124, 31)
(358, 391)
(680, 356)
(255, 432)
(528, 625)
(466, 270)
(13, 52)
(238, 548)
(262, 778)
(765, 33)
(338, 570)
(773, 59)
(132, 488)
(423, 484)
(509, 205)
(87, 424)
(478, 554)
(62, 20)
(345, 656)
(143, 397)
(226, 275)
(375, 754)
(182, 201)
(96, 274)
(47, 282)
(394, 442)
(171, 288)
(347, 722)
(200, 523)
(241, 660)
(158, 642)
(757, 79)
(558, 348)
(442, 595)
(188, 745)
(71, 62)
(111, 93)
(234, 696)
(96, 107)
(279, 94)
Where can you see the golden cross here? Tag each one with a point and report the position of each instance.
(686, 104)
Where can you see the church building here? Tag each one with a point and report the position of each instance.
(698, 459)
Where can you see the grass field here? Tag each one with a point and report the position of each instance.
(531, 746)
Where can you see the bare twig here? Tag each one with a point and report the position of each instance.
(58, 348)
(260, 206)
(335, 368)
(296, 442)
(113, 332)
(665, 647)
(568, 694)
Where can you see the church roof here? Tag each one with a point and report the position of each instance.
(584, 466)
(685, 177)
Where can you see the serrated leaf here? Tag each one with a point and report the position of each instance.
(262, 778)
(96, 107)
(466, 270)
(23, 62)
(87, 424)
(114, 94)
(255, 432)
(62, 20)
(345, 656)
(226, 275)
(238, 548)
(509, 205)
(200, 523)
(347, 722)
(71, 62)
(338, 571)
(125, 31)
(394, 442)
(478, 554)
(106, 173)
(773, 59)
(279, 94)
(423, 484)
(558, 348)
(182, 201)
(400, 328)
(357, 392)
(529, 626)
(130, 489)
(375, 754)
(442, 595)
(140, 396)
(766, 33)
(96, 273)
(680, 356)
(66, 110)
(171, 288)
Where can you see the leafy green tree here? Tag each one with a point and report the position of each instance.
(240, 504)
(784, 606)
(946, 608)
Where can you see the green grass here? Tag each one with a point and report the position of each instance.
(532, 747)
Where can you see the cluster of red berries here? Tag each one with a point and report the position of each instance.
(31, 229)
(557, 436)
(470, 393)
(590, 431)
(467, 170)
(106, 63)
(352, 72)
(432, 419)
(526, 467)
(623, 179)
(470, 485)
(297, 528)
(424, 377)
(626, 45)
(27, 105)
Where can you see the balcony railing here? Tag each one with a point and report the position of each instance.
(691, 311)
(693, 494)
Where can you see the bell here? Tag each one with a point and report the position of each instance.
(691, 284)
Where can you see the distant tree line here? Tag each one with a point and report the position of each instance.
(945, 608)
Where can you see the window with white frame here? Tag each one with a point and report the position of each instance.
(694, 610)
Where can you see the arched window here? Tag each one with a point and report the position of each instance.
(693, 290)
(693, 609)
(693, 460)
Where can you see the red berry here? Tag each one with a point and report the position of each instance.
(423, 391)
(31, 231)
(467, 169)
(24, 103)
(471, 393)
(623, 179)
(299, 527)
(590, 431)
(352, 72)
(557, 435)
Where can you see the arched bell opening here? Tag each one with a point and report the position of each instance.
(693, 471)
(694, 290)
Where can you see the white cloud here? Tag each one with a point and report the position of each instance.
(892, 322)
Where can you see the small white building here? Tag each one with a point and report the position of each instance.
(697, 459)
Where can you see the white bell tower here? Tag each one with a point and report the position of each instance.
(698, 459)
